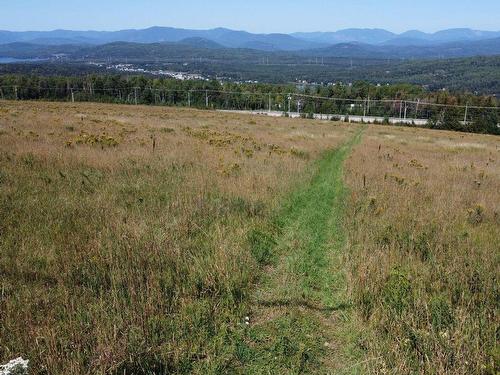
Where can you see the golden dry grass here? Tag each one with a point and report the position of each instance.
(424, 241)
(120, 258)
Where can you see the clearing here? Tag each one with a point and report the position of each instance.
(149, 240)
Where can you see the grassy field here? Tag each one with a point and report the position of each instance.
(146, 240)
(117, 257)
(424, 249)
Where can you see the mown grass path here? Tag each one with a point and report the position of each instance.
(302, 321)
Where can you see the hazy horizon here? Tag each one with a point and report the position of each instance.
(257, 16)
(236, 29)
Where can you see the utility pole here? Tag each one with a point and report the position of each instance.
(465, 117)
(269, 103)
(206, 98)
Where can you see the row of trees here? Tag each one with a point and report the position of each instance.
(361, 98)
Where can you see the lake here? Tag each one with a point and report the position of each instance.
(9, 60)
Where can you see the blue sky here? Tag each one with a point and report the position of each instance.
(251, 15)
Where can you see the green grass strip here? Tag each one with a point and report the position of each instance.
(302, 321)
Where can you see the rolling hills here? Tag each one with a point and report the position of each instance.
(375, 55)
(207, 48)
(241, 39)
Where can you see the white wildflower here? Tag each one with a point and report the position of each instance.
(17, 366)
(444, 334)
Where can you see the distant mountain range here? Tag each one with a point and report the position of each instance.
(225, 37)
(242, 39)
(167, 42)
(384, 37)
(487, 47)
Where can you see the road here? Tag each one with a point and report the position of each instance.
(351, 118)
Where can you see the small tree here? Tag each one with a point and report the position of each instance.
(486, 122)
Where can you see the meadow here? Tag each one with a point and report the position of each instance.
(423, 249)
(120, 256)
(148, 240)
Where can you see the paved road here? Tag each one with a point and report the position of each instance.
(352, 118)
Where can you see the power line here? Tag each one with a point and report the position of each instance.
(92, 90)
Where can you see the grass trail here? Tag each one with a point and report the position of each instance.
(302, 321)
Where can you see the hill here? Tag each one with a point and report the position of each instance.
(242, 39)
(225, 37)
(199, 42)
(381, 36)
(487, 47)
(202, 47)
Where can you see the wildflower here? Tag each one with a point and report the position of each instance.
(18, 366)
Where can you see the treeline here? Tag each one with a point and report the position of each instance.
(476, 74)
(445, 110)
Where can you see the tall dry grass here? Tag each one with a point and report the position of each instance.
(424, 241)
(120, 257)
